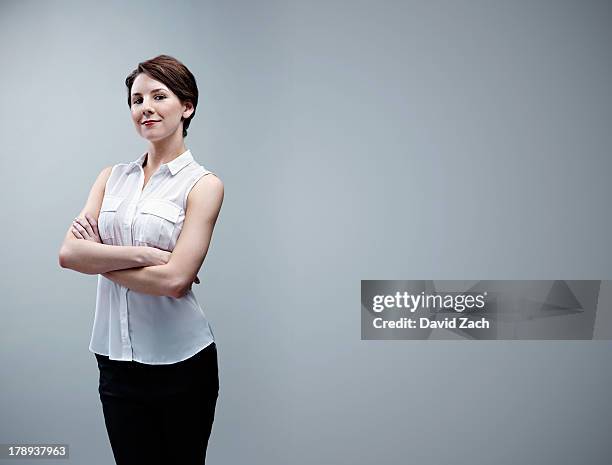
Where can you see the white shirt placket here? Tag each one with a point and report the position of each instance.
(127, 226)
(126, 343)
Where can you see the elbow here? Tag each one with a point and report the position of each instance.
(64, 257)
(67, 259)
(179, 289)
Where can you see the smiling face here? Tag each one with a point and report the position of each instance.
(152, 100)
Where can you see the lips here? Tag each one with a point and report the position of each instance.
(150, 122)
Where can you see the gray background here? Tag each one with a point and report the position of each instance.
(356, 140)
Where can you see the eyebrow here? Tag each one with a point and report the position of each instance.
(154, 90)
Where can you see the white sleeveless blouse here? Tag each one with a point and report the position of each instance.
(129, 325)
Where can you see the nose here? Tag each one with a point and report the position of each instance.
(146, 107)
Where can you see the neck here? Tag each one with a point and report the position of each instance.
(164, 151)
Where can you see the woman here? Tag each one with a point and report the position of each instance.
(155, 216)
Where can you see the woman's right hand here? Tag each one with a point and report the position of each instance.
(161, 257)
(157, 256)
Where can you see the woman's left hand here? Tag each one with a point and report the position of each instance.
(86, 228)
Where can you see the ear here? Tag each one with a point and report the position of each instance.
(187, 109)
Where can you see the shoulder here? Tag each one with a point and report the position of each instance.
(208, 185)
(114, 171)
(209, 182)
(103, 178)
(106, 172)
(206, 193)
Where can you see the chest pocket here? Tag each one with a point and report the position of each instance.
(107, 218)
(155, 223)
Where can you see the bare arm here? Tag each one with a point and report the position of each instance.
(175, 278)
(153, 280)
(92, 257)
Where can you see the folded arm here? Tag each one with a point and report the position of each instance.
(154, 280)
(147, 269)
(91, 256)
(140, 268)
(176, 277)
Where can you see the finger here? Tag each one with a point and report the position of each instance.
(93, 223)
(76, 232)
(86, 225)
(80, 229)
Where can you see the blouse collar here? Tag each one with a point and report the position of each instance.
(174, 166)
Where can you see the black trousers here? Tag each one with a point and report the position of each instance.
(159, 414)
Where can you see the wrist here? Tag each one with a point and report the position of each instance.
(143, 255)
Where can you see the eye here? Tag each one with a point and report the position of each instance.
(138, 99)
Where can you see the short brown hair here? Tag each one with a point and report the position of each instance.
(174, 74)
